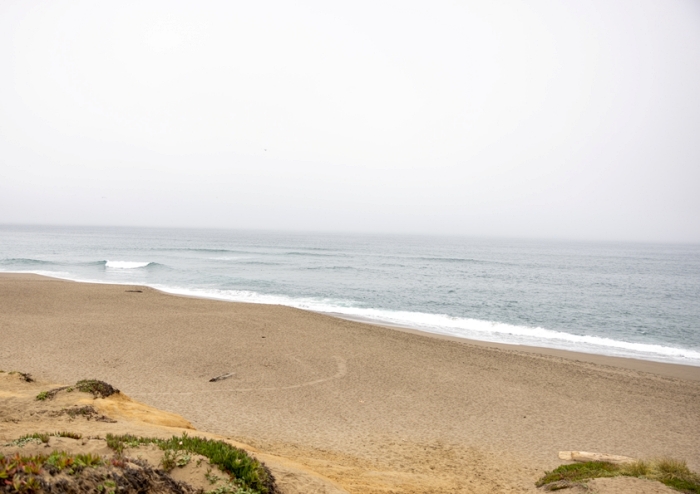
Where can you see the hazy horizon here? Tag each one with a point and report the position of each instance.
(538, 120)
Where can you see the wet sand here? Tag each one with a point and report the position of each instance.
(375, 409)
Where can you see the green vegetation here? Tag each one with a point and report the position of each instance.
(99, 389)
(673, 473)
(72, 435)
(60, 461)
(173, 458)
(37, 473)
(246, 473)
(108, 487)
(19, 473)
(42, 437)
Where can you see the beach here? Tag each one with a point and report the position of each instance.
(372, 408)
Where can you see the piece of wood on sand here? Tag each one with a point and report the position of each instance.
(221, 377)
(587, 456)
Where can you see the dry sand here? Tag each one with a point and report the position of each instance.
(373, 409)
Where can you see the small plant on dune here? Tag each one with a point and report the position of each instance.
(638, 469)
(676, 474)
(42, 396)
(42, 437)
(88, 460)
(28, 438)
(99, 389)
(59, 461)
(211, 478)
(108, 487)
(119, 442)
(168, 461)
(72, 435)
(671, 472)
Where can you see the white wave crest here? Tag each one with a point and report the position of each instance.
(126, 264)
(462, 327)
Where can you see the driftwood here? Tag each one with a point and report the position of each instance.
(586, 456)
(221, 377)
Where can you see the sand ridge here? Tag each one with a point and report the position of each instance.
(373, 409)
(21, 413)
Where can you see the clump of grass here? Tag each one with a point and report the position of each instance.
(72, 435)
(566, 476)
(99, 389)
(246, 472)
(119, 442)
(637, 469)
(28, 438)
(173, 458)
(42, 396)
(676, 474)
(671, 472)
(42, 437)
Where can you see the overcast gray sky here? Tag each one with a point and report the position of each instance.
(528, 119)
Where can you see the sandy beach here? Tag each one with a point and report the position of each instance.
(374, 409)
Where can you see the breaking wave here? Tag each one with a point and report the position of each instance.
(127, 264)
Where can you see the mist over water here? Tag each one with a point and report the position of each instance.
(634, 300)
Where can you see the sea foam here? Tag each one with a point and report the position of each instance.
(491, 331)
(126, 264)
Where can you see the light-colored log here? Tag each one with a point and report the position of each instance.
(587, 456)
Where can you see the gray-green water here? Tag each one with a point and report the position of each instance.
(634, 300)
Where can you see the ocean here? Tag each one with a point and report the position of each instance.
(618, 299)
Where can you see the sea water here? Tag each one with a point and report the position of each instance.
(621, 299)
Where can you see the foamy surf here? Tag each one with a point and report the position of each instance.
(126, 264)
(474, 329)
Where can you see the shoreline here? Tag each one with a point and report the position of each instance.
(374, 409)
(668, 369)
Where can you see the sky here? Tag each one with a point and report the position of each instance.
(534, 119)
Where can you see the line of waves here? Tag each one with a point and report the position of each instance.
(24, 263)
(21, 261)
(461, 327)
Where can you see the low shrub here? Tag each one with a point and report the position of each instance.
(245, 471)
(671, 472)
